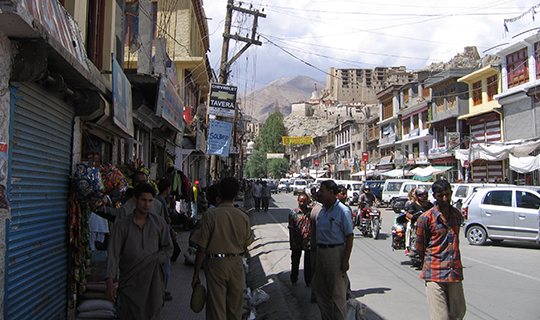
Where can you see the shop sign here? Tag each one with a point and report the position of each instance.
(219, 138)
(437, 150)
(122, 107)
(233, 150)
(453, 139)
(275, 155)
(222, 100)
(385, 160)
(169, 105)
(316, 162)
(414, 133)
(421, 160)
(296, 140)
(411, 162)
(60, 25)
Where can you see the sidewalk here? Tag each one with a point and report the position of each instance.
(261, 257)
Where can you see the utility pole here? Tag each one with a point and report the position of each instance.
(226, 64)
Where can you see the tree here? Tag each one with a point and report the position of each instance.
(256, 167)
(278, 168)
(270, 139)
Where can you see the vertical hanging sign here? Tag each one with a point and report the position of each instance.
(122, 108)
(222, 100)
(219, 138)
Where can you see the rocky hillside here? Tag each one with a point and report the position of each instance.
(262, 101)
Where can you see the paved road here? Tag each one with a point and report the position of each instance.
(501, 281)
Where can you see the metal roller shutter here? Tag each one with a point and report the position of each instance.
(37, 237)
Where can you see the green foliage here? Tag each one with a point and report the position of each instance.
(270, 139)
(256, 166)
(278, 168)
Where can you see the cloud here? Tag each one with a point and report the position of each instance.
(308, 37)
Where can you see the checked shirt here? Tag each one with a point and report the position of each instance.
(437, 242)
(299, 225)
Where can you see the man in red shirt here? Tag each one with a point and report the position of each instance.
(437, 243)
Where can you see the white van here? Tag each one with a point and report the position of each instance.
(352, 186)
(391, 189)
(409, 185)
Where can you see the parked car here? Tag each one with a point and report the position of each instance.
(461, 191)
(500, 213)
(284, 185)
(299, 186)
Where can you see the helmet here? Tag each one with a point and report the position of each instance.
(421, 193)
(366, 188)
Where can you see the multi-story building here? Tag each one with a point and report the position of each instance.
(519, 99)
(484, 121)
(68, 95)
(449, 99)
(362, 85)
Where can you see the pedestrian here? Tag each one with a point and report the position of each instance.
(257, 194)
(194, 197)
(314, 214)
(223, 239)
(300, 239)
(266, 194)
(164, 188)
(139, 245)
(334, 246)
(437, 243)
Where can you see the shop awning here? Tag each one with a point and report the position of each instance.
(370, 173)
(396, 173)
(426, 174)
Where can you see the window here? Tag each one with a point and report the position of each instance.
(451, 98)
(537, 59)
(406, 126)
(387, 109)
(518, 68)
(96, 29)
(477, 93)
(415, 120)
(492, 87)
(527, 200)
(499, 198)
(425, 124)
(440, 138)
(461, 192)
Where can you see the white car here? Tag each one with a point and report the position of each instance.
(299, 186)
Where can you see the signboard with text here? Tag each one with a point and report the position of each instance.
(297, 140)
(219, 138)
(222, 100)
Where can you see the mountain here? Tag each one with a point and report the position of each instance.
(260, 102)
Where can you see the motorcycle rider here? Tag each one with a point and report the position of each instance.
(366, 200)
(421, 204)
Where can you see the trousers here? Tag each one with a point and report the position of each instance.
(330, 284)
(446, 300)
(295, 265)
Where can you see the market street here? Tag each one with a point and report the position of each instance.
(501, 281)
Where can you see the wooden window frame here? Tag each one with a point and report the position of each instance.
(517, 64)
(492, 87)
(476, 90)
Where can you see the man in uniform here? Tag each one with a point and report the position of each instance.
(140, 244)
(334, 246)
(223, 238)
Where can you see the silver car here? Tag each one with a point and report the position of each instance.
(499, 213)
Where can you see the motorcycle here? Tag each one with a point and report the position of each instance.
(369, 222)
(399, 230)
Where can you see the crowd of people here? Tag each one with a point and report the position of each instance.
(142, 244)
(322, 228)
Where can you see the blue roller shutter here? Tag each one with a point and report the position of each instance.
(37, 237)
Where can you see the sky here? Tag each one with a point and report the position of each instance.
(301, 37)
